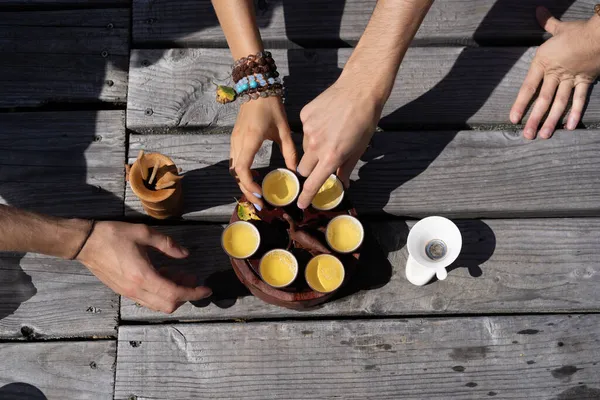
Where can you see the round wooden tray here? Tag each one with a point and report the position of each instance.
(273, 231)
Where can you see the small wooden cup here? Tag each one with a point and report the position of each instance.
(159, 204)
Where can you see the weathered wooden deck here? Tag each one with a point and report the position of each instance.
(85, 84)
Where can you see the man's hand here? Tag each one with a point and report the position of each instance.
(569, 60)
(116, 253)
(259, 120)
(338, 126)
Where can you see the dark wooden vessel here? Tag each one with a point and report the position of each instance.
(274, 234)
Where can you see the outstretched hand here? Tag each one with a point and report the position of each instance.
(568, 61)
(117, 253)
(338, 126)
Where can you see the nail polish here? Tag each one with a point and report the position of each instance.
(257, 195)
(259, 208)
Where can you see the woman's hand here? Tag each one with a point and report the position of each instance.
(117, 253)
(569, 60)
(338, 126)
(259, 120)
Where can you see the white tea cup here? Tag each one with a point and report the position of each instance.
(433, 244)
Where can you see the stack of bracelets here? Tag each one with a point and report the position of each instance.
(256, 76)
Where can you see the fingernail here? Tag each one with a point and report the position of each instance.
(571, 123)
(545, 133)
(185, 251)
(529, 133)
(301, 205)
(257, 195)
(259, 208)
(515, 117)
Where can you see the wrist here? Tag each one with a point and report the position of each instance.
(370, 87)
(69, 236)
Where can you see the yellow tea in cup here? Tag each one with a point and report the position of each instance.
(330, 195)
(278, 268)
(344, 234)
(324, 273)
(280, 187)
(240, 239)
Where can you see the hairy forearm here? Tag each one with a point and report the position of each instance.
(238, 21)
(30, 232)
(383, 45)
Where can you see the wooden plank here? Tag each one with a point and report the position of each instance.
(526, 357)
(175, 89)
(65, 31)
(506, 266)
(43, 297)
(190, 23)
(63, 3)
(63, 56)
(459, 174)
(57, 370)
(63, 163)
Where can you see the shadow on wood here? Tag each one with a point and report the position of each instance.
(21, 391)
(479, 243)
(16, 286)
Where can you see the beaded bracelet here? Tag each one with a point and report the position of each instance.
(254, 76)
(253, 82)
(261, 62)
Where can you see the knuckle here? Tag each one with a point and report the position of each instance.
(312, 143)
(170, 307)
(333, 157)
(128, 291)
(529, 88)
(304, 114)
(136, 277)
(544, 98)
(144, 231)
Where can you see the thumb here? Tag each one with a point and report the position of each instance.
(547, 21)
(165, 244)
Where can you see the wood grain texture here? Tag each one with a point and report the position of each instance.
(63, 56)
(65, 31)
(525, 357)
(55, 370)
(63, 163)
(190, 23)
(174, 89)
(506, 266)
(459, 174)
(54, 4)
(43, 297)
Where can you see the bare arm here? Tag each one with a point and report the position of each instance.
(383, 45)
(258, 120)
(116, 252)
(339, 123)
(238, 21)
(29, 232)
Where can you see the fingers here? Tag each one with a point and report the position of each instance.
(528, 89)
(165, 244)
(345, 170)
(579, 99)
(166, 296)
(308, 163)
(546, 20)
(541, 106)
(243, 163)
(288, 148)
(314, 182)
(558, 108)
